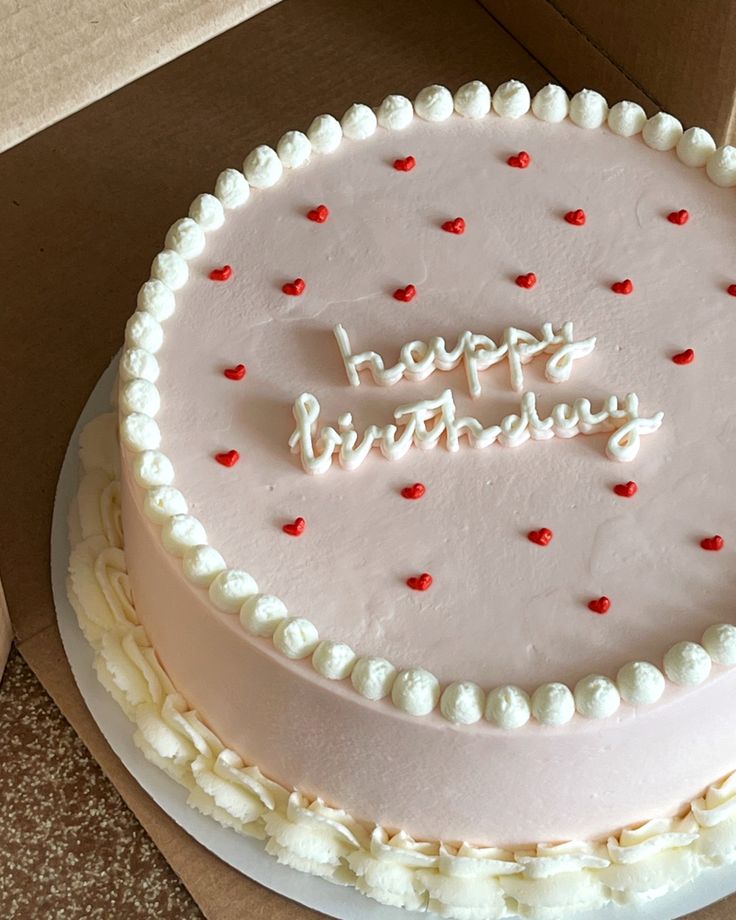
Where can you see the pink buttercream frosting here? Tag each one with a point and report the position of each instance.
(500, 608)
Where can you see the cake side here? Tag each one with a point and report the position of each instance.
(308, 835)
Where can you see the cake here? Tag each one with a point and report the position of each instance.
(414, 553)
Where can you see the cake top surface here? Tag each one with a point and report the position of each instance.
(502, 608)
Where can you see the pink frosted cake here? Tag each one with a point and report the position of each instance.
(426, 484)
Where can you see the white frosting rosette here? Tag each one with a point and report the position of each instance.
(649, 861)
(715, 813)
(388, 871)
(466, 883)
(312, 838)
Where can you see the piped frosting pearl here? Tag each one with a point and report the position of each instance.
(588, 109)
(395, 113)
(462, 702)
(373, 677)
(186, 237)
(695, 146)
(511, 99)
(627, 118)
(473, 100)
(434, 103)
(640, 683)
(551, 104)
(207, 210)
(415, 691)
(508, 707)
(325, 134)
(231, 188)
(721, 166)
(719, 641)
(596, 697)
(230, 589)
(157, 299)
(202, 564)
(262, 613)
(359, 122)
(262, 167)
(296, 637)
(687, 664)
(333, 660)
(662, 131)
(553, 704)
(294, 149)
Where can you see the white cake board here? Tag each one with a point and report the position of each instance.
(243, 853)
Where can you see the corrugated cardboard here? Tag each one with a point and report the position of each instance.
(86, 203)
(56, 57)
(675, 55)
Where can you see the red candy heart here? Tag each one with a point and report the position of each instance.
(520, 161)
(714, 544)
(413, 492)
(319, 214)
(235, 373)
(623, 287)
(684, 357)
(600, 605)
(294, 288)
(454, 226)
(420, 582)
(229, 458)
(221, 274)
(296, 528)
(526, 281)
(540, 537)
(678, 217)
(405, 294)
(405, 165)
(731, 289)
(576, 218)
(626, 489)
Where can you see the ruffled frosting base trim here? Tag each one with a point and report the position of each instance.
(457, 882)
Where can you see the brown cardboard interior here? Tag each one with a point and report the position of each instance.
(679, 56)
(58, 57)
(85, 205)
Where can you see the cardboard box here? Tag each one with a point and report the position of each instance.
(678, 57)
(85, 205)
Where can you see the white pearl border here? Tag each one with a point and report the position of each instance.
(414, 691)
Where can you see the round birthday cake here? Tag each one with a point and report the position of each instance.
(409, 547)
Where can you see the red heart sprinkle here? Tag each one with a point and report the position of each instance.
(600, 605)
(414, 492)
(526, 281)
(229, 458)
(235, 373)
(715, 544)
(576, 218)
(540, 537)
(420, 582)
(221, 274)
(319, 214)
(626, 489)
(294, 288)
(406, 293)
(405, 165)
(731, 289)
(678, 217)
(454, 226)
(623, 287)
(684, 357)
(296, 528)
(520, 161)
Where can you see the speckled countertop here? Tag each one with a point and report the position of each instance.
(69, 845)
